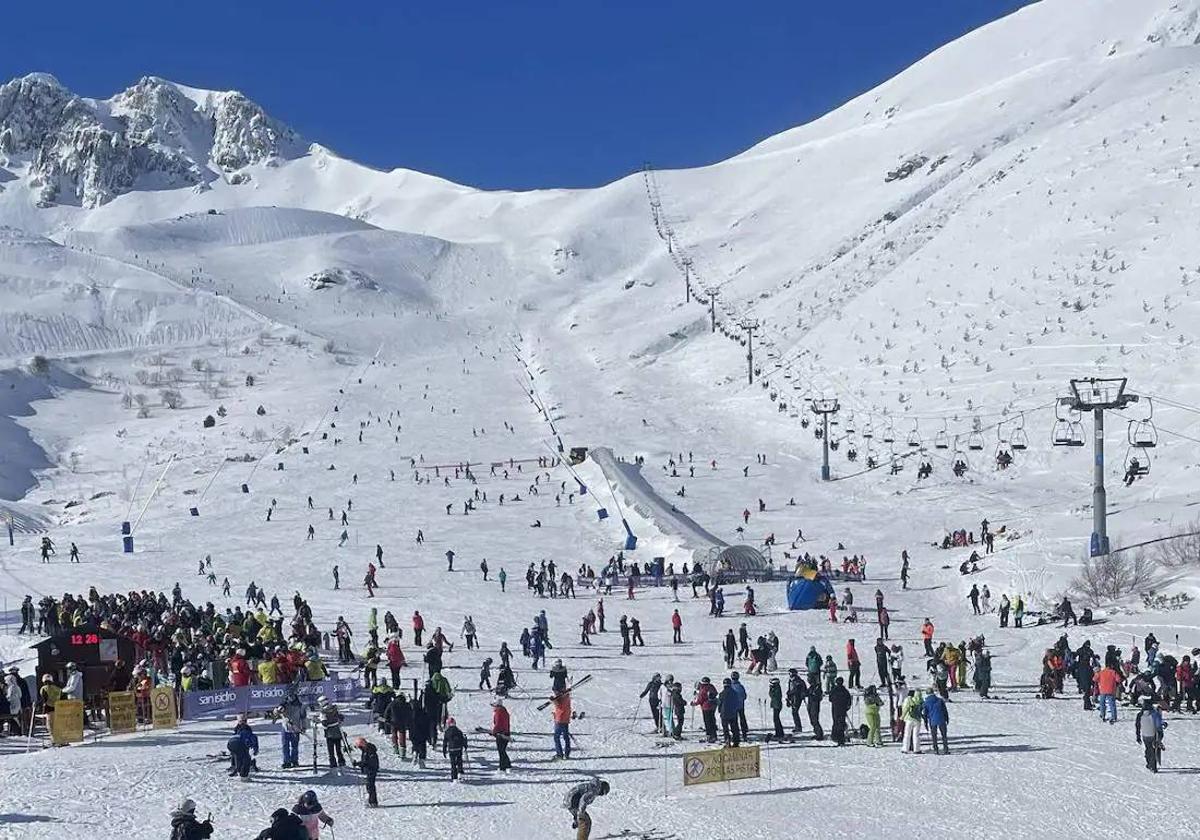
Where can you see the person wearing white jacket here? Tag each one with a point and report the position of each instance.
(12, 693)
(73, 690)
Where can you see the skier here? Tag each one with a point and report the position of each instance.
(418, 627)
(331, 723)
(927, 636)
(561, 715)
(854, 664)
(653, 691)
(739, 689)
(418, 731)
(577, 801)
(309, 810)
(775, 695)
(730, 647)
(910, 712)
(74, 553)
(502, 732)
(1148, 727)
(284, 826)
(814, 708)
(294, 722)
(240, 746)
(676, 628)
(185, 826)
(1108, 684)
(872, 704)
(937, 716)
(973, 597)
(797, 691)
(454, 744)
(398, 715)
(839, 706)
(706, 699)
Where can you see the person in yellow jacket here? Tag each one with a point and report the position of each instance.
(315, 667)
(950, 658)
(268, 672)
(187, 679)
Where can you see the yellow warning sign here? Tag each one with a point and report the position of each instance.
(66, 725)
(122, 715)
(162, 707)
(724, 765)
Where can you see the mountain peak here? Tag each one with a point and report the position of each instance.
(155, 134)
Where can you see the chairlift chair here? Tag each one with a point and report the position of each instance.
(975, 442)
(914, 437)
(942, 439)
(889, 434)
(1019, 441)
(1142, 434)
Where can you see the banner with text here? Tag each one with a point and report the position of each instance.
(226, 702)
(122, 716)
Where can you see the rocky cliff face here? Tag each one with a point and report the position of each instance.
(153, 135)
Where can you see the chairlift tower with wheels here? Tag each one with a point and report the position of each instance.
(1098, 395)
(824, 408)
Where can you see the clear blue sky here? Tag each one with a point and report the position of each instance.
(510, 93)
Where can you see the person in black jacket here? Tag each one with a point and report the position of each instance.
(284, 826)
(399, 717)
(368, 763)
(454, 745)
(839, 705)
(797, 691)
(881, 662)
(730, 647)
(653, 690)
(814, 708)
(185, 826)
(418, 732)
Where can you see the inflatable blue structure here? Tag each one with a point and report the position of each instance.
(805, 593)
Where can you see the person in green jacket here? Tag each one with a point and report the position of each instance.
(775, 693)
(872, 704)
(1018, 611)
(911, 713)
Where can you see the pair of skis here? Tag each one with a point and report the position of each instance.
(565, 691)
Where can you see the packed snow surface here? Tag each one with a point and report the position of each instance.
(941, 254)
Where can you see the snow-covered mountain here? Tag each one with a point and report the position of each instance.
(235, 320)
(153, 135)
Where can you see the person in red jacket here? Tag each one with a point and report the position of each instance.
(706, 699)
(395, 660)
(418, 625)
(502, 732)
(284, 668)
(239, 669)
(676, 628)
(927, 636)
(854, 664)
(1108, 685)
(1187, 686)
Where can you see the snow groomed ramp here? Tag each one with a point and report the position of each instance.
(627, 479)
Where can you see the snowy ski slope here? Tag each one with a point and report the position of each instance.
(941, 254)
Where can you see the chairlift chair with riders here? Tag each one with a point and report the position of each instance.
(960, 463)
(1137, 464)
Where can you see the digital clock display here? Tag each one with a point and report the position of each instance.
(78, 639)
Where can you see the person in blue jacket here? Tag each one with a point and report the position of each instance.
(937, 716)
(727, 706)
(240, 746)
(736, 682)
